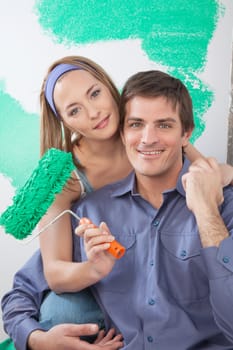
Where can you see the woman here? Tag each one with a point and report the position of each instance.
(79, 114)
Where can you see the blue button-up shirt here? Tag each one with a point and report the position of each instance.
(167, 292)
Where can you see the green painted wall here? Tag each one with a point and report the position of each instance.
(175, 34)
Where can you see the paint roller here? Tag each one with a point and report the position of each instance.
(33, 200)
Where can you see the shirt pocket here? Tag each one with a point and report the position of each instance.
(183, 272)
(121, 278)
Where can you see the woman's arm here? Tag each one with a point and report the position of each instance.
(56, 243)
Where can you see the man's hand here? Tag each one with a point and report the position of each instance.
(203, 185)
(204, 194)
(67, 337)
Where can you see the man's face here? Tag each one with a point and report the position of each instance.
(153, 137)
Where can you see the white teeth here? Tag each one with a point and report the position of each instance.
(151, 152)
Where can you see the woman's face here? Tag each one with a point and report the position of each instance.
(86, 105)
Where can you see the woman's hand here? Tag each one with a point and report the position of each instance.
(96, 243)
(110, 340)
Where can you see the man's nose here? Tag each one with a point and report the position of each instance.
(149, 135)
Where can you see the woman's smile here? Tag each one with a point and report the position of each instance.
(102, 124)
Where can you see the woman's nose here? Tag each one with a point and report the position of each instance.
(93, 111)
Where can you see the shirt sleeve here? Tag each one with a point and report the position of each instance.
(219, 267)
(21, 305)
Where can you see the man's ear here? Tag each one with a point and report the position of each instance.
(186, 137)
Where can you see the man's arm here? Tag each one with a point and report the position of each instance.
(21, 305)
(20, 309)
(204, 194)
(214, 218)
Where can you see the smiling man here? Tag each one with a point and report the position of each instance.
(154, 134)
(176, 278)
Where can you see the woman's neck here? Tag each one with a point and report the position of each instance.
(100, 149)
(103, 162)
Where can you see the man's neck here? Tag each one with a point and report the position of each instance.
(152, 188)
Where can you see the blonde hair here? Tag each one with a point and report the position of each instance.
(53, 132)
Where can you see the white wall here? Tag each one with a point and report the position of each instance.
(26, 52)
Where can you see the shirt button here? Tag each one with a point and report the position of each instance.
(183, 253)
(156, 223)
(151, 302)
(152, 263)
(150, 339)
(226, 259)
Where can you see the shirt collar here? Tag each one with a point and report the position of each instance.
(129, 183)
(124, 186)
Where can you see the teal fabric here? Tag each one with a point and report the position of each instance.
(85, 182)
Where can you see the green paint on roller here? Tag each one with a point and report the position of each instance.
(38, 193)
(173, 33)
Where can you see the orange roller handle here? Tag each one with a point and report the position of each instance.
(116, 249)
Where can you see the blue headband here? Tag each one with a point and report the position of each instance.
(51, 81)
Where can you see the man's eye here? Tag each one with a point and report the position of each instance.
(164, 126)
(135, 125)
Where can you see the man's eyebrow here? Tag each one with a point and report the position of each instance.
(163, 120)
(134, 118)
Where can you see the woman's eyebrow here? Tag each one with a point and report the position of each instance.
(87, 92)
(90, 88)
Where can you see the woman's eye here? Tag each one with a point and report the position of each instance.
(95, 93)
(74, 111)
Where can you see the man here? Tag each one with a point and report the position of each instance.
(173, 287)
